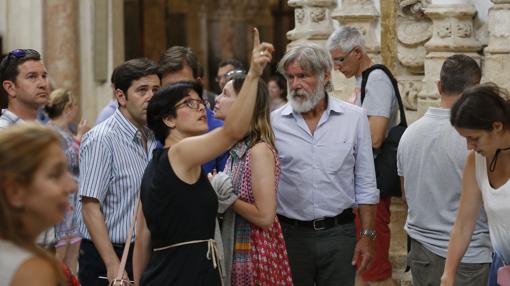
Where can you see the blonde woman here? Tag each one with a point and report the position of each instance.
(255, 252)
(62, 109)
(35, 184)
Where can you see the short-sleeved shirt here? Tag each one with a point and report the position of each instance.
(328, 171)
(431, 157)
(380, 99)
(112, 161)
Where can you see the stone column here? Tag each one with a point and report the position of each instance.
(497, 53)
(413, 29)
(312, 19)
(23, 25)
(452, 32)
(61, 44)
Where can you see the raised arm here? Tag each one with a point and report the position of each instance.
(194, 151)
(469, 210)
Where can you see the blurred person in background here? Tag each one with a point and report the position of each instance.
(62, 109)
(35, 184)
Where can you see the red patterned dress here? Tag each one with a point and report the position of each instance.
(259, 255)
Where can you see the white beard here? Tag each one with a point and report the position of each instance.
(309, 101)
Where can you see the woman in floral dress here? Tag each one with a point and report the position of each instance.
(255, 252)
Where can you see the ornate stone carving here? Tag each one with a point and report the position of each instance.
(463, 30)
(414, 8)
(413, 33)
(300, 15)
(409, 88)
(317, 15)
(414, 28)
(412, 58)
(313, 20)
(445, 31)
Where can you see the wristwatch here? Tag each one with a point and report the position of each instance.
(369, 233)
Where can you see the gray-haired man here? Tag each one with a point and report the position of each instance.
(347, 48)
(327, 169)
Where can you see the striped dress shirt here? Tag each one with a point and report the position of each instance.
(112, 162)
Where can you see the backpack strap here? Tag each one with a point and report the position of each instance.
(364, 79)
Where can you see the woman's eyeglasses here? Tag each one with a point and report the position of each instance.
(191, 103)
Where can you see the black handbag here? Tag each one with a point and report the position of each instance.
(388, 181)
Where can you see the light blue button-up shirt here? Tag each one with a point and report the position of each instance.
(328, 171)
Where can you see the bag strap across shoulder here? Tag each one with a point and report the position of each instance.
(364, 78)
(123, 260)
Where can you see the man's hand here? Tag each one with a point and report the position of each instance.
(112, 269)
(363, 252)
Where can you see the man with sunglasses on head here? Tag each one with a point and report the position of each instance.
(113, 157)
(224, 68)
(25, 86)
(347, 48)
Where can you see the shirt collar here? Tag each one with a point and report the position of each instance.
(129, 128)
(9, 116)
(239, 149)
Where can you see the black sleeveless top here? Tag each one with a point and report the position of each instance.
(176, 212)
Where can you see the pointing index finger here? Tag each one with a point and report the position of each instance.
(256, 37)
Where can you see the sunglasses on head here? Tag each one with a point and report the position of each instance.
(17, 54)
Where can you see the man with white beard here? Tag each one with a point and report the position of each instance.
(327, 169)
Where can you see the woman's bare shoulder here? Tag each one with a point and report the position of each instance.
(35, 271)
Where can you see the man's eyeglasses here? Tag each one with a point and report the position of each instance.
(191, 103)
(340, 60)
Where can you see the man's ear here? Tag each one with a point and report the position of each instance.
(121, 97)
(9, 88)
(327, 77)
(439, 87)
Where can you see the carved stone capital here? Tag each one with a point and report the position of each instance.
(312, 18)
(452, 27)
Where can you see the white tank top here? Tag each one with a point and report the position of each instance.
(11, 258)
(497, 206)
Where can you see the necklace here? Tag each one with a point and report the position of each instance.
(492, 166)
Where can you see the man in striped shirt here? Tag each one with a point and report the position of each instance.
(113, 157)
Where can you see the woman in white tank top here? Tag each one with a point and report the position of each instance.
(482, 116)
(34, 188)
